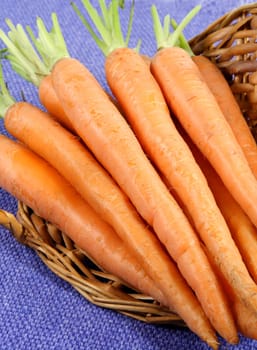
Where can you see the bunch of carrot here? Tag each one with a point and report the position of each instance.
(159, 186)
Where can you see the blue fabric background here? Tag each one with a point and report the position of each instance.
(37, 309)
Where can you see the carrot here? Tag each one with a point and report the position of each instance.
(243, 232)
(23, 173)
(212, 135)
(106, 133)
(223, 94)
(103, 137)
(230, 108)
(75, 163)
(244, 316)
(34, 182)
(246, 320)
(197, 110)
(145, 109)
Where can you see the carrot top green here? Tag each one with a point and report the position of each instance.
(107, 33)
(30, 56)
(6, 100)
(163, 34)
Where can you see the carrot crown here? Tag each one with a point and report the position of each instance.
(108, 34)
(34, 62)
(167, 38)
(6, 100)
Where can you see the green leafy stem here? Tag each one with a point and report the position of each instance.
(30, 56)
(6, 100)
(107, 33)
(163, 34)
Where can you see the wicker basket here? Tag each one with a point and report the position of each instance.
(231, 42)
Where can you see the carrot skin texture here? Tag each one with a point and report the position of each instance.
(33, 181)
(182, 84)
(108, 136)
(230, 108)
(50, 196)
(246, 320)
(74, 162)
(243, 232)
(145, 108)
(50, 101)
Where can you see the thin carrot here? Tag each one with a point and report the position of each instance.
(75, 163)
(196, 108)
(243, 232)
(226, 101)
(33, 181)
(230, 108)
(186, 92)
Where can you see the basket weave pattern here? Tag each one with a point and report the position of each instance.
(230, 42)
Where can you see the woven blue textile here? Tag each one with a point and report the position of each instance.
(37, 309)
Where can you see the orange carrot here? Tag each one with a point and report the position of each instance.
(172, 212)
(49, 100)
(245, 319)
(109, 137)
(243, 232)
(75, 163)
(230, 108)
(33, 181)
(212, 135)
(194, 105)
(15, 36)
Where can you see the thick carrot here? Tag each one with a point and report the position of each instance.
(75, 163)
(109, 137)
(33, 181)
(230, 108)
